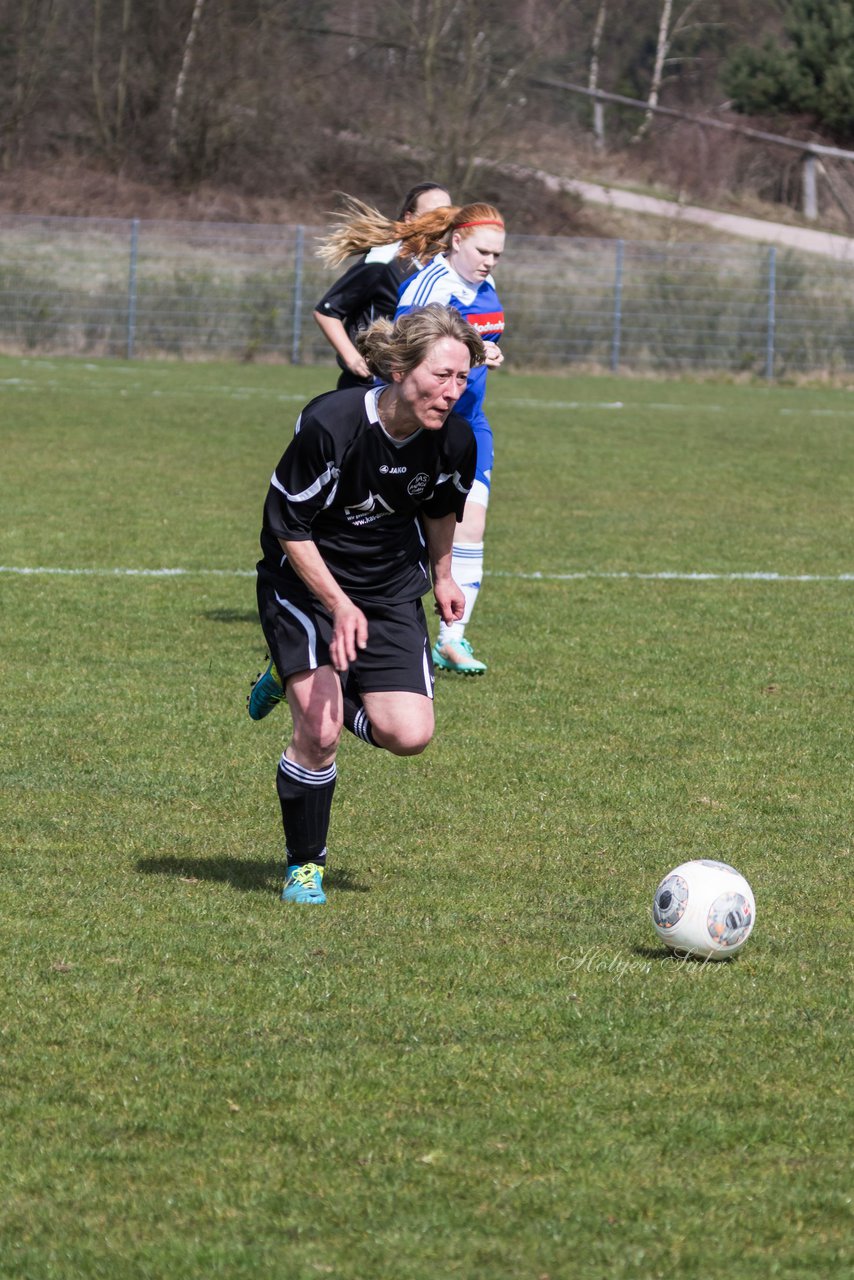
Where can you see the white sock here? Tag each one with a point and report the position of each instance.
(467, 571)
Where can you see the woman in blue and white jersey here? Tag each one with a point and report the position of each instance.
(461, 245)
(461, 277)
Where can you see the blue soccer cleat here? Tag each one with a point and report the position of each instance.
(304, 883)
(266, 693)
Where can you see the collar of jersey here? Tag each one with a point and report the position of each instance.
(372, 395)
(465, 291)
(384, 252)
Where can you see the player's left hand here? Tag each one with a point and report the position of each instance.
(450, 601)
(494, 354)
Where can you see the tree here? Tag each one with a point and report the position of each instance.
(181, 82)
(593, 76)
(110, 130)
(29, 50)
(669, 28)
(460, 81)
(811, 74)
(453, 80)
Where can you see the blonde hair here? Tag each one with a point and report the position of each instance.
(361, 227)
(400, 347)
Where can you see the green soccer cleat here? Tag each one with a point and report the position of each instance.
(304, 883)
(457, 655)
(266, 693)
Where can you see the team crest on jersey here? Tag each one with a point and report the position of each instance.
(418, 484)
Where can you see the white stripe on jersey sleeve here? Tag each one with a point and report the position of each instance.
(456, 481)
(331, 473)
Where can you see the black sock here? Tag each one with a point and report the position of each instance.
(306, 799)
(356, 720)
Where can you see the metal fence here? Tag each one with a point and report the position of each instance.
(136, 289)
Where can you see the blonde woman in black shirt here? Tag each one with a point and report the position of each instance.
(358, 525)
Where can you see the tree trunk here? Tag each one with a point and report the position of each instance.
(593, 79)
(661, 49)
(13, 127)
(97, 87)
(181, 82)
(122, 82)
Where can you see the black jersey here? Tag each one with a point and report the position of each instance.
(367, 290)
(345, 484)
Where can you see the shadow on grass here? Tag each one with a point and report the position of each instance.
(653, 953)
(230, 615)
(663, 956)
(241, 873)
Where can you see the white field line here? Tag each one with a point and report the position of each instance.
(667, 575)
(512, 402)
(577, 576)
(22, 385)
(668, 406)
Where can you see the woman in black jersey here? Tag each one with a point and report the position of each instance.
(368, 290)
(358, 525)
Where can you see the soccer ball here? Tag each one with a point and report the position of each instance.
(704, 909)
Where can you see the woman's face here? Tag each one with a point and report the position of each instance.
(428, 201)
(475, 252)
(428, 393)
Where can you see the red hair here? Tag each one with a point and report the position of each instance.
(361, 227)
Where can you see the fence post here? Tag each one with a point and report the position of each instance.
(134, 255)
(297, 329)
(772, 313)
(810, 187)
(618, 308)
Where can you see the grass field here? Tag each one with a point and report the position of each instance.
(476, 1061)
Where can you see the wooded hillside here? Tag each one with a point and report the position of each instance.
(291, 101)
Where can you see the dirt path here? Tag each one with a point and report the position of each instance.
(825, 243)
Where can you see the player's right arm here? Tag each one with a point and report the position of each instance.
(350, 626)
(302, 485)
(336, 335)
(342, 303)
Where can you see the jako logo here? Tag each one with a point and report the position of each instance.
(392, 471)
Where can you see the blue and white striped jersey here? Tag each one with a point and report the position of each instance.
(479, 304)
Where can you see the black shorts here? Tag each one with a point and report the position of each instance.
(298, 631)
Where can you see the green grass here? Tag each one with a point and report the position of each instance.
(476, 1062)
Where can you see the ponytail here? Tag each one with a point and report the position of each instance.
(361, 227)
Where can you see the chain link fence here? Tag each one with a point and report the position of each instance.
(204, 290)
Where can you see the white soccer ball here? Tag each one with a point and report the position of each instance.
(704, 909)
